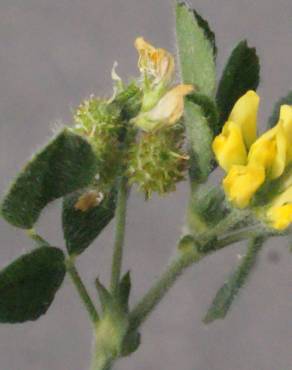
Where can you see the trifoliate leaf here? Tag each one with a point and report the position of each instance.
(29, 284)
(241, 73)
(81, 227)
(195, 51)
(274, 118)
(226, 294)
(66, 164)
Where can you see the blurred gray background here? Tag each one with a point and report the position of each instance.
(54, 53)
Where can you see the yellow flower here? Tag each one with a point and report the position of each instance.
(270, 151)
(166, 112)
(238, 133)
(249, 161)
(229, 146)
(244, 114)
(156, 64)
(279, 214)
(281, 217)
(242, 182)
(286, 119)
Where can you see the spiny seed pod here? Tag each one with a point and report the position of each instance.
(100, 122)
(157, 161)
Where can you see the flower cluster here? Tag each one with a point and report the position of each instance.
(252, 162)
(138, 132)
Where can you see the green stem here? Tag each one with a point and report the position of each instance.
(99, 361)
(234, 238)
(161, 287)
(236, 216)
(39, 241)
(174, 270)
(80, 287)
(119, 235)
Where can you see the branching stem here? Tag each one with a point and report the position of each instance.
(173, 271)
(161, 287)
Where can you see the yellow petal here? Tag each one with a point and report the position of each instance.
(269, 151)
(244, 113)
(286, 119)
(167, 111)
(283, 198)
(280, 211)
(242, 182)
(229, 147)
(280, 217)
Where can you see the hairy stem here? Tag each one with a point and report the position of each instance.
(81, 289)
(161, 287)
(173, 271)
(99, 361)
(237, 237)
(119, 234)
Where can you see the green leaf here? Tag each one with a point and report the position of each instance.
(210, 35)
(226, 294)
(29, 284)
(200, 139)
(124, 291)
(82, 227)
(242, 73)
(66, 164)
(274, 118)
(209, 110)
(195, 51)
